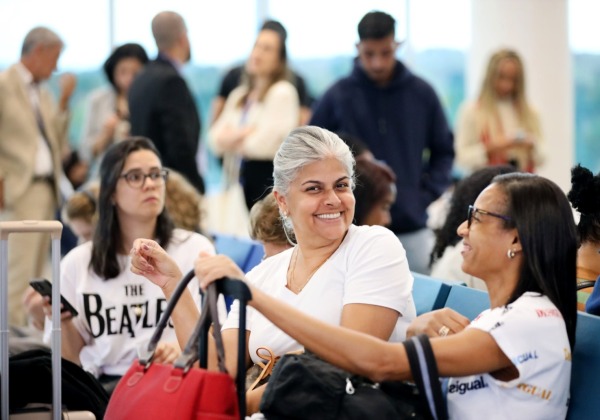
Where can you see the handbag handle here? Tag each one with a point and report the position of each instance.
(425, 374)
(210, 314)
(146, 354)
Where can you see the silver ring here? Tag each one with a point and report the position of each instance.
(443, 331)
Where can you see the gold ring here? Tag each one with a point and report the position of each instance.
(443, 331)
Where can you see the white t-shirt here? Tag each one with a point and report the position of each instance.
(532, 333)
(116, 316)
(369, 267)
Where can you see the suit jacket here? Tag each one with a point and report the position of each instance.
(163, 109)
(19, 135)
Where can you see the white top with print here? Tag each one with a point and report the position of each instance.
(117, 316)
(532, 333)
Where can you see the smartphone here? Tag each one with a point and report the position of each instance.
(44, 288)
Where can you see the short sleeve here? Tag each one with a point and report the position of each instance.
(528, 332)
(378, 272)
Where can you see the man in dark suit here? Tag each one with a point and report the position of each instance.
(161, 105)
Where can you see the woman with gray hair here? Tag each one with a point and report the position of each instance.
(341, 274)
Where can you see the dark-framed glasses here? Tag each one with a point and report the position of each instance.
(136, 178)
(472, 210)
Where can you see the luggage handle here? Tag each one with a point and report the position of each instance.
(54, 227)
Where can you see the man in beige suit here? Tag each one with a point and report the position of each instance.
(32, 142)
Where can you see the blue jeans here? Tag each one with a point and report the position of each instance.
(418, 246)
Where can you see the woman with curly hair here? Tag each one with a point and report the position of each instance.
(266, 227)
(183, 202)
(585, 198)
(445, 260)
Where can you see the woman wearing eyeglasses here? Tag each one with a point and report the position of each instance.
(513, 360)
(118, 310)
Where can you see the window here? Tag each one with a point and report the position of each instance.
(585, 50)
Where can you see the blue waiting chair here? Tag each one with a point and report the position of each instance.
(429, 293)
(467, 301)
(246, 253)
(584, 403)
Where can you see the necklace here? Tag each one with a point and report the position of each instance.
(291, 280)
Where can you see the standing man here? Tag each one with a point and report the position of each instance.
(33, 139)
(161, 105)
(401, 120)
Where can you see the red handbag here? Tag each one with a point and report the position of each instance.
(181, 391)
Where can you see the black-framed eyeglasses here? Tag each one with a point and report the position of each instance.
(472, 210)
(136, 178)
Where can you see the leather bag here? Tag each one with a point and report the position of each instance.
(182, 391)
(304, 386)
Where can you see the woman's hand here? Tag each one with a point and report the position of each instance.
(166, 352)
(34, 306)
(232, 138)
(209, 268)
(148, 259)
(47, 309)
(67, 82)
(438, 323)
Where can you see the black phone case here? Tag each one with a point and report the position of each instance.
(44, 288)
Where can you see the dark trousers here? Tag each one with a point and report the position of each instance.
(256, 177)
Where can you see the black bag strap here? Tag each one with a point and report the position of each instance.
(146, 354)
(208, 316)
(425, 374)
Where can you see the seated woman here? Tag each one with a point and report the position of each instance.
(375, 192)
(585, 198)
(513, 360)
(339, 273)
(266, 227)
(446, 257)
(79, 212)
(118, 310)
(183, 202)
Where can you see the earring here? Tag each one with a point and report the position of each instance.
(510, 254)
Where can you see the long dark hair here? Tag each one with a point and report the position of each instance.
(543, 218)
(465, 193)
(283, 72)
(107, 236)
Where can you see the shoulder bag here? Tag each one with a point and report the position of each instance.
(304, 386)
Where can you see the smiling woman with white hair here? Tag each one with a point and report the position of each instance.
(514, 359)
(341, 274)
